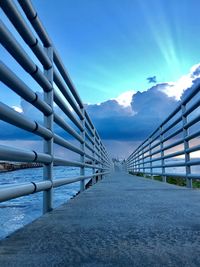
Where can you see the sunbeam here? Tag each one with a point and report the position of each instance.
(161, 29)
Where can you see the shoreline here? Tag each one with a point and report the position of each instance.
(8, 167)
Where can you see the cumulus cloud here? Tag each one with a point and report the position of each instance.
(110, 108)
(153, 103)
(125, 98)
(126, 120)
(149, 108)
(177, 88)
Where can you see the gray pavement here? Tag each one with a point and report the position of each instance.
(121, 221)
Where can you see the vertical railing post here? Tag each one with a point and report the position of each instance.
(129, 165)
(186, 146)
(150, 159)
(134, 164)
(94, 161)
(162, 155)
(135, 161)
(139, 166)
(82, 157)
(48, 144)
(99, 152)
(143, 162)
(102, 156)
(99, 157)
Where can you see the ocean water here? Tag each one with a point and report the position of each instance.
(18, 212)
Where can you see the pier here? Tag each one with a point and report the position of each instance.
(118, 218)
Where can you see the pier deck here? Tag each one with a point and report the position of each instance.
(121, 221)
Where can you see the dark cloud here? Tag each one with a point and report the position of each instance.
(153, 103)
(196, 72)
(110, 108)
(149, 109)
(114, 122)
(152, 79)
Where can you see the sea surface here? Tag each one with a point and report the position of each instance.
(18, 212)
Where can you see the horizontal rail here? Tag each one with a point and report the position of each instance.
(15, 191)
(169, 145)
(65, 122)
(18, 86)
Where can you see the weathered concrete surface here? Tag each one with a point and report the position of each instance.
(121, 221)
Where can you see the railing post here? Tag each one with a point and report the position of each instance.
(143, 161)
(102, 158)
(82, 157)
(162, 156)
(94, 161)
(137, 162)
(129, 166)
(48, 144)
(150, 159)
(99, 157)
(186, 146)
(134, 165)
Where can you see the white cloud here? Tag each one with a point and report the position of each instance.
(176, 89)
(125, 98)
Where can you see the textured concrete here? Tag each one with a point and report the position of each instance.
(121, 221)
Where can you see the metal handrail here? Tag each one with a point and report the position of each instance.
(76, 123)
(141, 159)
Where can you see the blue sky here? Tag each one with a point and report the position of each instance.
(110, 48)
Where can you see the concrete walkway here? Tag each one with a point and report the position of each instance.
(121, 221)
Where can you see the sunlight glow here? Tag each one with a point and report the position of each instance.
(125, 98)
(176, 89)
(163, 35)
(18, 109)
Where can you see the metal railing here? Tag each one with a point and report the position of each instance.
(167, 152)
(58, 90)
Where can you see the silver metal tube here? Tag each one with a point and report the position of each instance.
(48, 144)
(62, 104)
(49, 58)
(13, 154)
(89, 147)
(63, 162)
(186, 146)
(19, 87)
(195, 89)
(67, 127)
(37, 25)
(82, 157)
(65, 93)
(16, 191)
(64, 143)
(20, 155)
(94, 160)
(88, 127)
(89, 138)
(89, 121)
(192, 136)
(18, 53)
(32, 16)
(192, 122)
(21, 26)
